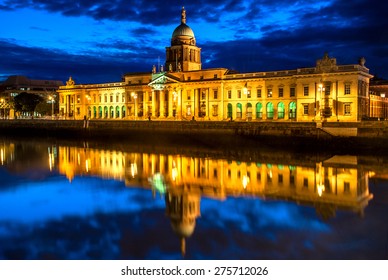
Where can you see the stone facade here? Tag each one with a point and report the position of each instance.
(183, 90)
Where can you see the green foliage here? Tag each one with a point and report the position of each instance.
(27, 102)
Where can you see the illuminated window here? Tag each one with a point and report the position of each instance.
(280, 92)
(347, 109)
(215, 94)
(203, 96)
(292, 92)
(269, 92)
(347, 89)
(259, 93)
(306, 91)
(305, 109)
(215, 110)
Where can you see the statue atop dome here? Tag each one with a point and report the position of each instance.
(183, 16)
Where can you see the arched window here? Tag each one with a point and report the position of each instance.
(100, 112)
(105, 112)
(259, 110)
(112, 112)
(94, 112)
(230, 110)
(281, 110)
(269, 110)
(123, 112)
(239, 111)
(117, 112)
(292, 110)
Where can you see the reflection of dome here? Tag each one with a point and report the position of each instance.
(183, 229)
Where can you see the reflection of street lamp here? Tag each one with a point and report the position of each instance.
(320, 185)
(134, 95)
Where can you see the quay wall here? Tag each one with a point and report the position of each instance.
(358, 135)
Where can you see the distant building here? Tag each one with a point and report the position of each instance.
(182, 90)
(378, 90)
(15, 85)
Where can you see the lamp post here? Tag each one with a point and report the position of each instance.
(246, 92)
(3, 105)
(321, 91)
(175, 96)
(134, 96)
(52, 106)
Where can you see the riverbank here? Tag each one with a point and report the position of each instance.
(348, 138)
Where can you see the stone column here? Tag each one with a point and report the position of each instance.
(161, 103)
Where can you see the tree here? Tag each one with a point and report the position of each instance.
(27, 102)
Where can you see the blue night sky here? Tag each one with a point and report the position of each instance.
(99, 41)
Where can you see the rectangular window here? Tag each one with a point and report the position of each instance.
(111, 98)
(248, 94)
(150, 97)
(280, 92)
(292, 180)
(100, 98)
(306, 91)
(347, 89)
(215, 76)
(188, 95)
(346, 187)
(78, 99)
(215, 110)
(269, 92)
(117, 98)
(280, 178)
(229, 94)
(305, 109)
(327, 89)
(215, 94)
(305, 182)
(259, 93)
(239, 94)
(292, 92)
(347, 109)
(106, 98)
(203, 95)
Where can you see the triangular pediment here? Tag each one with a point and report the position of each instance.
(162, 80)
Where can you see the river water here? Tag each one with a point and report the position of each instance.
(82, 200)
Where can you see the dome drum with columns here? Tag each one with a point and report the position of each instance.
(183, 54)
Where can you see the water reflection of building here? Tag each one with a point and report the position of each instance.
(334, 184)
(337, 183)
(337, 180)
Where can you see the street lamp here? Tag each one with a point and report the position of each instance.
(175, 96)
(52, 106)
(321, 91)
(3, 105)
(134, 96)
(247, 95)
